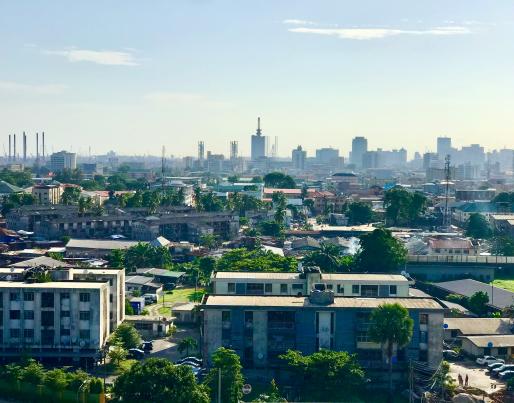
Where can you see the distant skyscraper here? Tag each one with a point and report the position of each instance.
(298, 156)
(359, 148)
(63, 160)
(258, 143)
(444, 146)
(327, 155)
(201, 153)
(234, 152)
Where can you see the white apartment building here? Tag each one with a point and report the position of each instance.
(297, 283)
(65, 320)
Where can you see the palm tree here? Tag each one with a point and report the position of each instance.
(326, 257)
(391, 326)
(186, 344)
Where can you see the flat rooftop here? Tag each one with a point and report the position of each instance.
(498, 341)
(100, 244)
(256, 275)
(479, 326)
(297, 302)
(54, 284)
(228, 275)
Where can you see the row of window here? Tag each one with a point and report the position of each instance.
(363, 290)
(47, 298)
(46, 316)
(29, 334)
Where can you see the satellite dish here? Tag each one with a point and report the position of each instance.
(9, 277)
(82, 343)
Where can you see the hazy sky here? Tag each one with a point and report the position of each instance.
(135, 75)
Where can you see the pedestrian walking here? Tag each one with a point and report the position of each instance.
(466, 381)
(460, 379)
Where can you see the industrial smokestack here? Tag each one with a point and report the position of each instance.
(14, 148)
(37, 147)
(9, 147)
(43, 145)
(24, 147)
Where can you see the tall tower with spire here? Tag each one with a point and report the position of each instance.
(258, 143)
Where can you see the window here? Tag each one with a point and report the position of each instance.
(297, 286)
(502, 350)
(340, 288)
(14, 333)
(283, 288)
(47, 337)
(85, 297)
(110, 297)
(423, 337)
(84, 334)
(65, 314)
(84, 315)
(369, 290)
(47, 300)
(15, 296)
(14, 314)
(28, 315)
(225, 316)
(393, 290)
(28, 333)
(355, 289)
(65, 332)
(47, 318)
(231, 287)
(423, 319)
(255, 288)
(65, 295)
(268, 287)
(28, 296)
(330, 286)
(487, 350)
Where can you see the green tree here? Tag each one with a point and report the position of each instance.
(403, 207)
(380, 251)
(279, 180)
(16, 200)
(33, 372)
(21, 179)
(391, 326)
(210, 241)
(116, 258)
(242, 259)
(477, 226)
(117, 354)
(359, 213)
(232, 379)
(338, 372)
(478, 303)
(56, 380)
(126, 336)
(271, 228)
(159, 380)
(70, 195)
(272, 396)
(327, 257)
(128, 308)
(502, 246)
(146, 255)
(187, 344)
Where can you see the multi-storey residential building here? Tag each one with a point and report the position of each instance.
(301, 283)
(63, 160)
(65, 320)
(47, 194)
(260, 328)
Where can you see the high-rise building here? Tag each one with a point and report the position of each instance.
(201, 153)
(298, 156)
(444, 146)
(234, 152)
(359, 147)
(327, 155)
(63, 160)
(258, 143)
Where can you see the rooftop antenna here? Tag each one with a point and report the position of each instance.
(14, 156)
(259, 132)
(447, 174)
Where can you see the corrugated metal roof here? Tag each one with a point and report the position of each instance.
(479, 326)
(497, 341)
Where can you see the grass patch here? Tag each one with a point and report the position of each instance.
(164, 311)
(505, 283)
(178, 295)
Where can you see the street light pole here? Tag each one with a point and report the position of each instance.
(219, 385)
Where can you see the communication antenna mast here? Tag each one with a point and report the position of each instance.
(447, 175)
(163, 161)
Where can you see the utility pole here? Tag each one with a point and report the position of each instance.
(411, 382)
(219, 385)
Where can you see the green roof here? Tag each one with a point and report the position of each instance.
(7, 188)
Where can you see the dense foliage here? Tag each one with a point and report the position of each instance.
(16, 200)
(403, 207)
(478, 303)
(21, 179)
(139, 256)
(380, 252)
(328, 258)
(232, 379)
(255, 260)
(325, 375)
(126, 336)
(159, 380)
(477, 226)
(359, 213)
(279, 180)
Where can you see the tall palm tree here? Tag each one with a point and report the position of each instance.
(186, 344)
(326, 257)
(391, 326)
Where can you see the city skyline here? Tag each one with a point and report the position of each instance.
(319, 74)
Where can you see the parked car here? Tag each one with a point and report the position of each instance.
(505, 367)
(146, 346)
(505, 375)
(136, 353)
(451, 355)
(196, 370)
(488, 359)
(150, 298)
(197, 362)
(494, 365)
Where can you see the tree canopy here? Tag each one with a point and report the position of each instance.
(478, 302)
(255, 260)
(159, 380)
(143, 255)
(403, 207)
(279, 180)
(359, 213)
(328, 258)
(126, 336)
(232, 379)
(380, 252)
(477, 226)
(337, 371)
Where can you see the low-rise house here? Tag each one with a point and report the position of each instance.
(162, 276)
(503, 223)
(497, 346)
(95, 248)
(187, 313)
(150, 327)
(142, 284)
(456, 328)
(452, 246)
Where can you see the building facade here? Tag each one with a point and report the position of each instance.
(63, 160)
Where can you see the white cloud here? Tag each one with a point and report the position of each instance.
(183, 98)
(298, 22)
(105, 57)
(41, 89)
(379, 33)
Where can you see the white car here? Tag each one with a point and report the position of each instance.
(488, 359)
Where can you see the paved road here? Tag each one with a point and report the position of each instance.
(478, 378)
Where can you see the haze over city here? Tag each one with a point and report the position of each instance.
(131, 77)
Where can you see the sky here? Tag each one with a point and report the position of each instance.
(133, 76)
